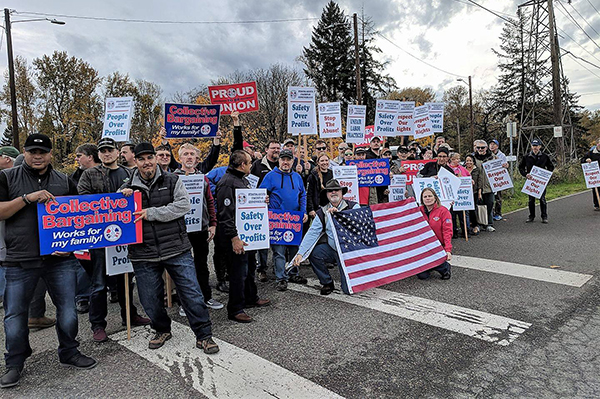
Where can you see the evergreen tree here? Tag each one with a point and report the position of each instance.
(6, 137)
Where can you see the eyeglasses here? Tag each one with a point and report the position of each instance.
(321, 148)
(481, 148)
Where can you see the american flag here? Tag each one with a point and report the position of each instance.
(384, 243)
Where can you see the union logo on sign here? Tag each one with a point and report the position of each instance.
(293, 94)
(110, 104)
(112, 233)
(205, 129)
(231, 93)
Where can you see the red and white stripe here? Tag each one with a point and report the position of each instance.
(407, 246)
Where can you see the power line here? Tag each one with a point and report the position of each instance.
(471, 4)
(582, 59)
(156, 21)
(593, 7)
(581, 65)
(577, 23)
(493, 12)
(574, 41)
(584, 20)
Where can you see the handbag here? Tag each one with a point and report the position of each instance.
(482, 215)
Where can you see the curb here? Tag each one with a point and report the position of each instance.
(555, 199)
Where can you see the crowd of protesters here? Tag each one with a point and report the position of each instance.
(293, 181)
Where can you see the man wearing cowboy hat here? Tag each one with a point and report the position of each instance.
(318, 244)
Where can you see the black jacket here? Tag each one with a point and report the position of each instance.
(314, 186)
(433, 168)
(260, 168)
(594, 155)
(541, 160)
(226, 187)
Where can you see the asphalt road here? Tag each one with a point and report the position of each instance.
(323, 346)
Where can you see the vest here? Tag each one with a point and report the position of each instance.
(321, 216)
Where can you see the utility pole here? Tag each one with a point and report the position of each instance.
(458, 134)
(357, 60)
(11, 81)
(556, 95)
(471, 110)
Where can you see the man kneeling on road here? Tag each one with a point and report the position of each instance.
(319, 243)
(165, 245)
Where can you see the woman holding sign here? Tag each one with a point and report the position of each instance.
(440, 221)
(593, 156)
(316, 182)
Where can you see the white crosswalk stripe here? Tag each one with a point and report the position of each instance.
(231, 373)
(485, 326)
(524, 271)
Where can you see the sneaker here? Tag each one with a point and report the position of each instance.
(82, 306)
(208, 345)
(137, 320)
(490, 229)
(159, 340)
(327, 289)
(262, 277)
(596, 209)
(181, 311)
(497, 217)
(297, 279)
(223, 286)
(80, 361)
(545, 221)
(99, 335)
(213, 304)
(282, 285)
(114, 297)
(11, 377)
(41, 322)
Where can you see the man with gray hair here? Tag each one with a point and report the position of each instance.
(484, 195)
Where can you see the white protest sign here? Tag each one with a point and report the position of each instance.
(497, 175)
(302, 114)
(348, 177)
(194, 184)
(422, 122)
(405, 119)
(465, 200)
(591, 172)
(355, 124)
(252, 218)
(117, 118)
(450, 183)
(397, 187)
(436, 116)
(419, 184)
(330, 120)
(385, 117)
(538, 182)
(253, 180)
(117, 260)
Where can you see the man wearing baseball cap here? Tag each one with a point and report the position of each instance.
(35, 181)
(536, 158)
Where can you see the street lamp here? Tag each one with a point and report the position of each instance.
(11, 70)
(470, 106)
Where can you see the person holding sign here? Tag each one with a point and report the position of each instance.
(374, 148)
(432, 169)
(165, 246)
(536, 158)
(316, 182)
(593, 155)
(21, 189)
(286, 192)
(440, 221)
(242, 287)
(485, 194)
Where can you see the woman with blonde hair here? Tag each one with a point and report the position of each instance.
(317, 180)
(440, 221)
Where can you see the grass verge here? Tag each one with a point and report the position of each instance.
(518, 200)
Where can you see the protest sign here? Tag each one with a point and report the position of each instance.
(465, 200)
(405, 119)
(348, 177)
(369, 134)
(436, 116)
(450, 183)
(241, 97)
(355, 123)
(591, 172)
(252, 218)
(372, 172)
(302, 114)
(253, 180)
(497, 175)
(422, 122)
(397, 187)
(191, 120)
(413, 168)
(330, 120)
(88, 221)
(117, 260)
(117, 118)
(385, 117)
(536, 185)
(194, 184)
(431, 182)
(285, 227)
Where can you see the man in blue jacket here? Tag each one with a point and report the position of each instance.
(286, 192)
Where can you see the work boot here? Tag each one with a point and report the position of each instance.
(41, 322)
(159, 340)
(80, 361)
(208, 345)
(11, 377)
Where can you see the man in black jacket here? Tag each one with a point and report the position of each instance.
(21, 188)
(591, 156)
(433, 168)
(536, 158)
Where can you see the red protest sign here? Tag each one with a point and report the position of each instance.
(241, 97)
(414, 167)
(369, 134)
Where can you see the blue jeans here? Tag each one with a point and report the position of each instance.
(281, 255)
(60, 279)
(37, 306)
(262, 261)
(321, 254)
(84, 284)
(442, 269)
(151, 288)
(2, 284)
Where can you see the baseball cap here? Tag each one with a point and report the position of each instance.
(443, 149)
(286, 153)
(143, 148)
(536, 142)
(246, 145)
(107, 142)
(38, 141)
(496, 142)
(288, 141)
(360, 150)
(9, 151)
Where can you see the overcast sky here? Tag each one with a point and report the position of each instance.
(449, 34)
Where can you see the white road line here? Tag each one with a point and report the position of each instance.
(524, 271)
(485, 326)
(231, 373)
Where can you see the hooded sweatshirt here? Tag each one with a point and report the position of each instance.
(286, 190)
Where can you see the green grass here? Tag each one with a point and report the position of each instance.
(554, 190)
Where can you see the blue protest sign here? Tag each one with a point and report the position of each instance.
(88, 221)
(285, 227)
(191, 120)
(372, 172)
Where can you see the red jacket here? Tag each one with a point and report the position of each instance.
(440, 221)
